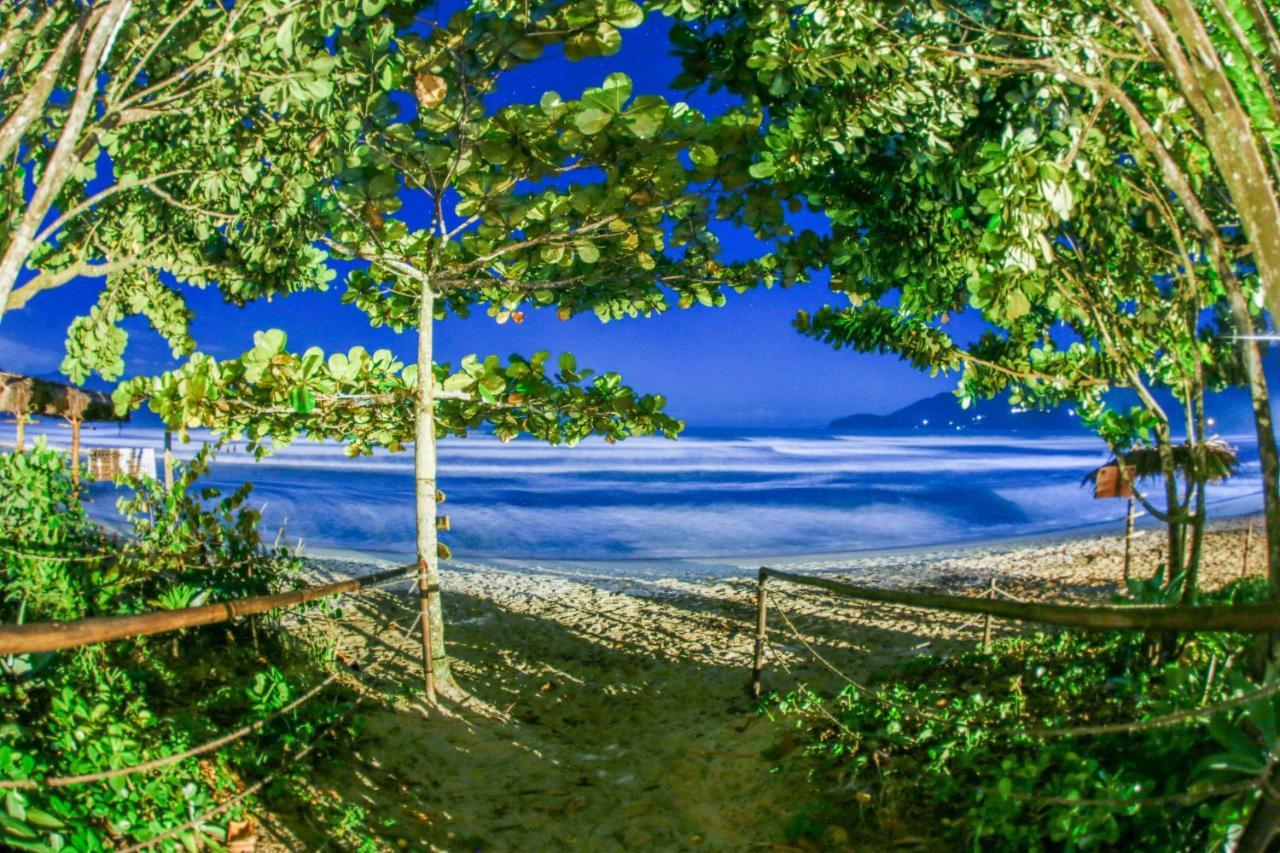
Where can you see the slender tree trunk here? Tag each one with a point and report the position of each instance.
(439, 677)
(37, 95)
(1174, 524)
(1128, 541)
(1264, 429)
(1228, 132)
(20, 438)
(1263, 822)
(1197, 546)
(1198, 472)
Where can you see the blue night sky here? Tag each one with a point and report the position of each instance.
(741, 365)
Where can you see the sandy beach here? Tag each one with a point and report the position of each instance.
(610, 709)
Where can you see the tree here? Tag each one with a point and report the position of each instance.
(599, 204)
(953, 148)
(148, 130)
(969, 155)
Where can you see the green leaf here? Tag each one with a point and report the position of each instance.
(625, 14)
(550, 102)
(646, 116)
(284, 35)
(302, 400)
(496, 151)
(704, 156)
(271, 341)
(527, 48)
(612, 95)
(763, 169)
(591, 121)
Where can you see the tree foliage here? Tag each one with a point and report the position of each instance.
(1046, 166)
(602, 204)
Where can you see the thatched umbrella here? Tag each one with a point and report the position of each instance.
(24, 395)
(15, 397)
(1144, 463)
(1220, 460)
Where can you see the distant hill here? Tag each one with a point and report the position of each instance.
(943, 413)
(1229, 411)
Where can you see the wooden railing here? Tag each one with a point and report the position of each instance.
(52, 636)
(1244, 618)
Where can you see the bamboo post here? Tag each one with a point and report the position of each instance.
(168, 460)
(1244, 560)
(1128, 538)
(75, 452)
(986, 620)
(757, 666)
(424, 609)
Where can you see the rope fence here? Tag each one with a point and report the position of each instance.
(55, 636)
(994, 602)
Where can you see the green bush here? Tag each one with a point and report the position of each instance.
(118, 704)
(946, 750)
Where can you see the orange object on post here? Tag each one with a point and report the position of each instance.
(1109, 483)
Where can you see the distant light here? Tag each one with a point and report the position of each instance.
(1212, 421)
(1071, 413)
(924, 422)
(1016, 410)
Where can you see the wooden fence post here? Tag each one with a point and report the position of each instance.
(761, 617)
(986, 620)
(1244, 561)
(1128, 537)
(168, 460)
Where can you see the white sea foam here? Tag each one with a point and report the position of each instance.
(701, 496)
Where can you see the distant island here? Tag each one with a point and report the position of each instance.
(1229, 413)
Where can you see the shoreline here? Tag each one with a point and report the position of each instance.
(731, 566)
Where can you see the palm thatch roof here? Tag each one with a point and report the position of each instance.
(42, 397)
(1220, 459)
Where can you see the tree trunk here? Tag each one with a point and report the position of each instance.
(1264, 822)
(62, 160)
(1264, 429)
(438, 674)
(1228, 133)
(1197, 473)
(1173, 510)
(20, 438)
(1197, 547)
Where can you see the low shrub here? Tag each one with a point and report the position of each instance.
(947, 749)
(119, 704)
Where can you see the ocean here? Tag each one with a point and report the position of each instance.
(710, 494)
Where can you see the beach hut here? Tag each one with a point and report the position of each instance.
(1143, 463)
(24, 396)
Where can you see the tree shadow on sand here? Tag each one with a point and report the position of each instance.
(610, 722)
